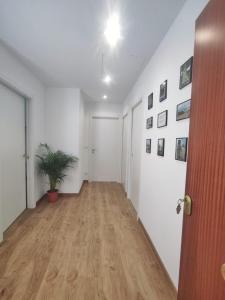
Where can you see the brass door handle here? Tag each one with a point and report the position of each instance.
(187, 205)
(223, 271)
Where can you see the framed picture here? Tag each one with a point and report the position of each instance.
(149, 123)
(163, 91)
(186, 73)
(162, 119)
(181, 149)
(150, 101)
(161, 147)
(148, 145)
(183, 110)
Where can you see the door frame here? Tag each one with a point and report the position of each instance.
(139, 102)
(127, 161)
(27, 107)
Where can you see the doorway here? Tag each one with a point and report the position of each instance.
(13, 191)
(136, 140)
(124, 152)
(105, 156)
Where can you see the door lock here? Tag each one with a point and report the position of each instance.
(187, 205)
(223, 271)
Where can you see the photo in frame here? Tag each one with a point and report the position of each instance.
(148, 145)
(186, 73)
(161, 147)
(183, 110)
(162, 119)
(181, 149)
(149, 123)
(150, 101)
(163, 91)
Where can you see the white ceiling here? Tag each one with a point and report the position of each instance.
(62, 41)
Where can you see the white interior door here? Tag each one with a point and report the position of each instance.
(136, 141)
(12, 162)
(124, 152)
(106, 149)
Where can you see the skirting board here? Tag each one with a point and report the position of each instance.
(133, 209)
(156, 254)
(74, 194)
(124, 190)
(68, 194)
(63, 194)
(41, 199)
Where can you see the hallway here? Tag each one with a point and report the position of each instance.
(85, 247)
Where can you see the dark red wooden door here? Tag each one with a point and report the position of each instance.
(203, 241)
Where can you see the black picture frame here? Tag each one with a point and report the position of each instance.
(183, 110)
(181, 149)
(161, 147)
(149, 123)
(163, 91)
(186, 73)
(150, 101)
(162, 119)
(148, 145)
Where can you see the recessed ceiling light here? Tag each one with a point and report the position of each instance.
(113, 30)
(107, 79)
(104, 97)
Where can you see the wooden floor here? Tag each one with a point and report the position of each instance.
(86, 247)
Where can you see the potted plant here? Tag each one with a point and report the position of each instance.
(53, 164)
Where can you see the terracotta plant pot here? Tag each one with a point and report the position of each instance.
(52, 196)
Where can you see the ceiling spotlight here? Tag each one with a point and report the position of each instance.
(104, 97)
(113, 30)
(107, 79)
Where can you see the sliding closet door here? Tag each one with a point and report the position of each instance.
(12, 161)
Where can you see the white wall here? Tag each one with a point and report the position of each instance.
(64, 114)
(163, 179)
(14, 73)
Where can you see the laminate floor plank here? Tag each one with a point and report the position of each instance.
(88, 247)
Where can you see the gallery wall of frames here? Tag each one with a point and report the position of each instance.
(161, 119)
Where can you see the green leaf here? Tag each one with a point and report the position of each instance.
(53, 164)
